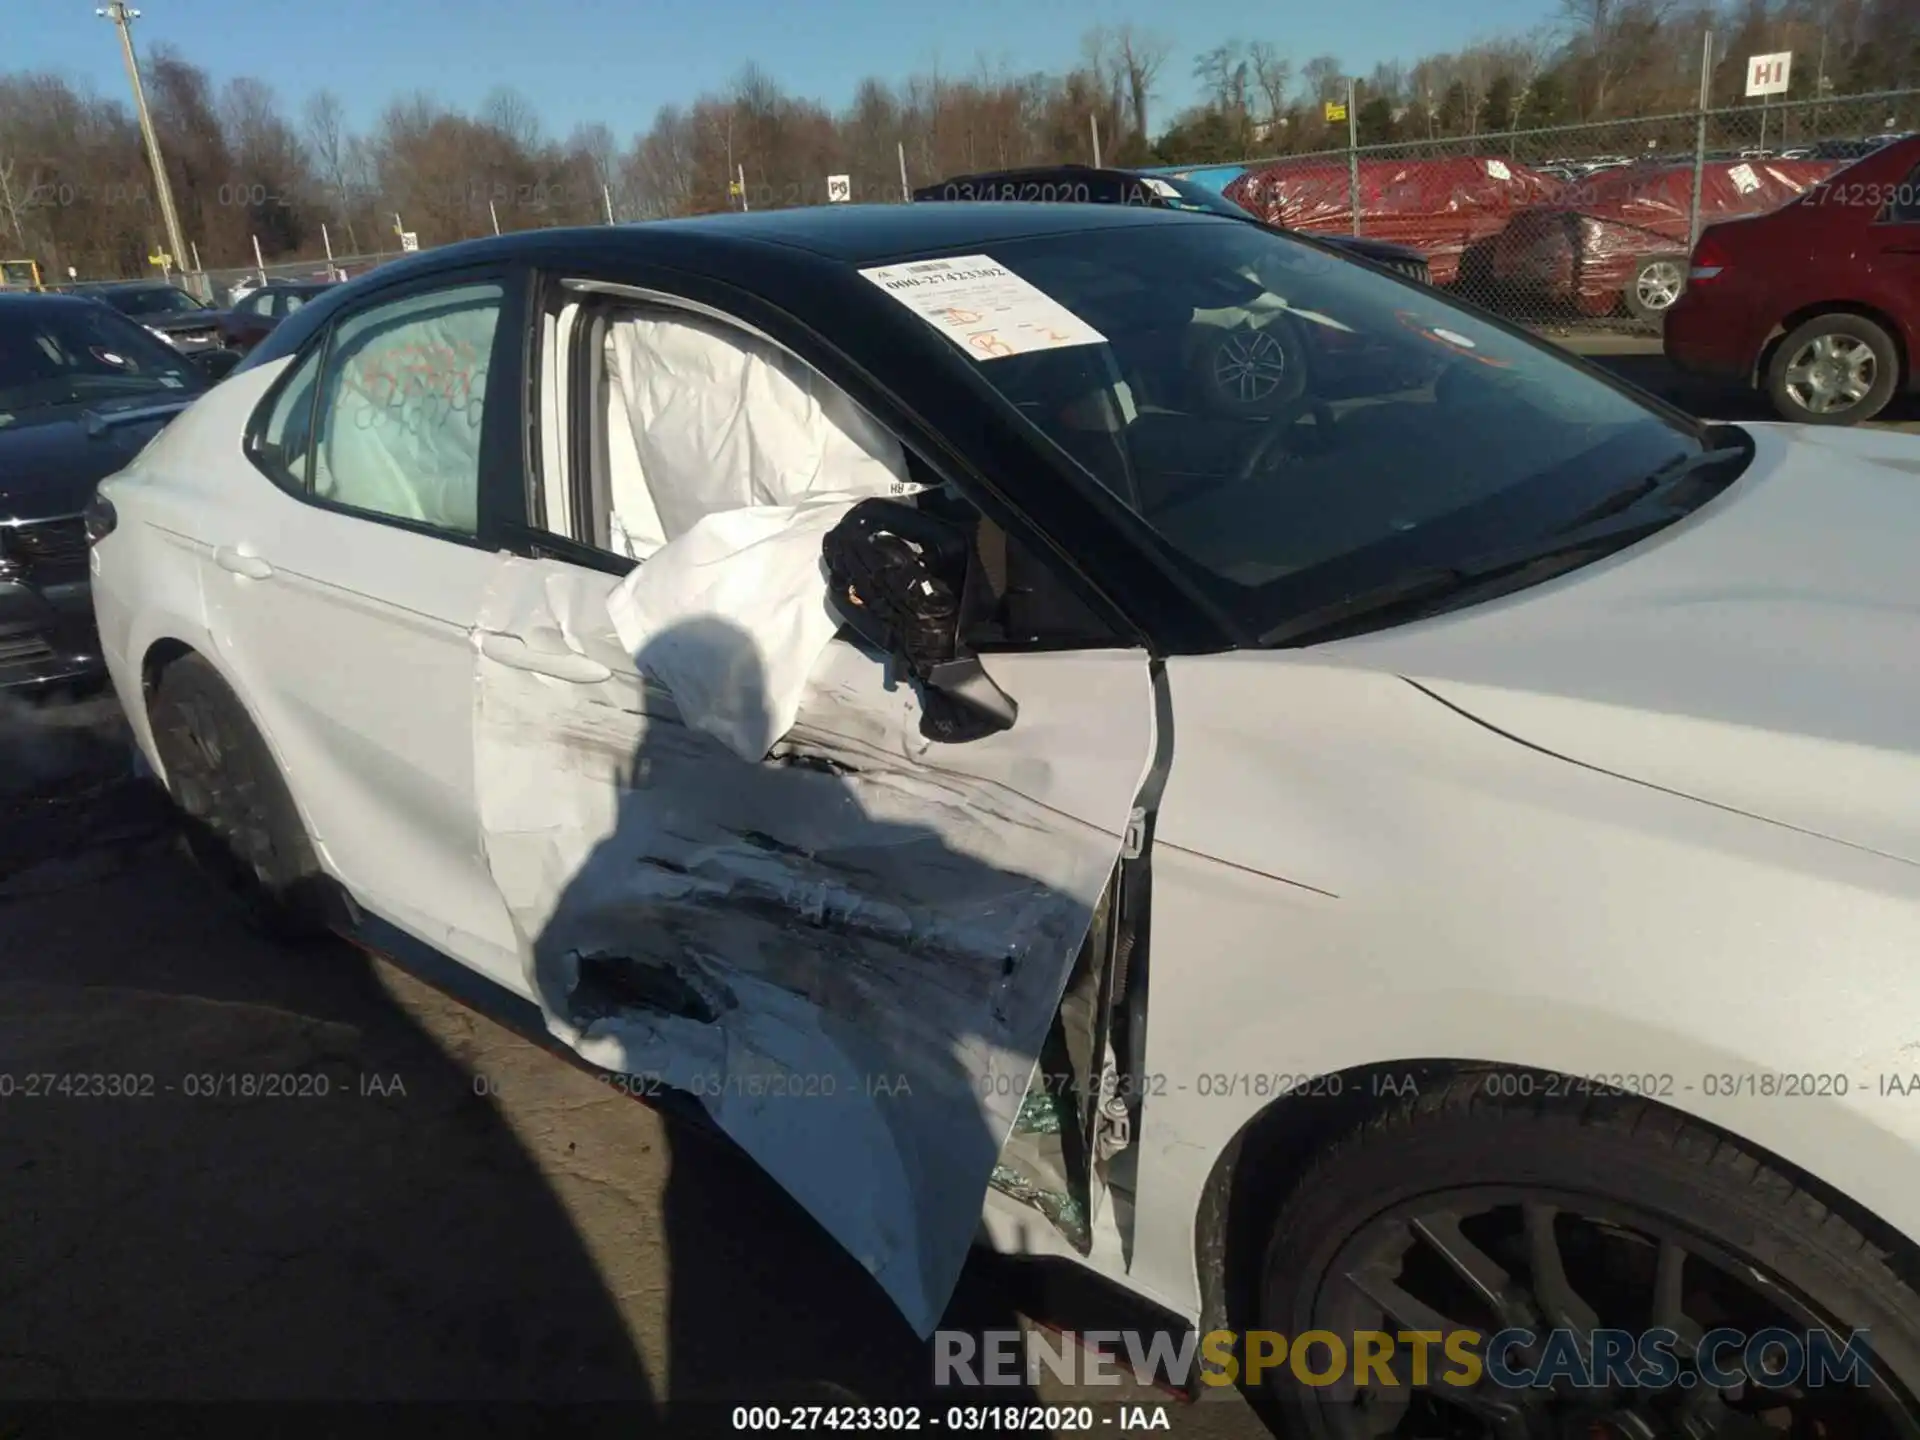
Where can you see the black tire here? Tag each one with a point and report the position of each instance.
(240, 822)
(1657, 282)
(1847, 332)
(1457, 1147)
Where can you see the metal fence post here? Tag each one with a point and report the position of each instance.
(1353, 159)
(1700, 140)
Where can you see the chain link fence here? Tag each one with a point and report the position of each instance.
(1576, 226)
(221, 288)
(1580, 225)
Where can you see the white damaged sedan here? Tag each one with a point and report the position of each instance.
(1122, 733)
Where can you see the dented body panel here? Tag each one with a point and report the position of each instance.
(850, 951)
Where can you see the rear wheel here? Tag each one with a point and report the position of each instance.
(1657, 282)
(241, 823)
(1460, 1212)
(1837, 369)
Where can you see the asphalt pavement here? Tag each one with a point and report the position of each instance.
(233, 1169)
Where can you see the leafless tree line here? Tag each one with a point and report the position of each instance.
(75, 190)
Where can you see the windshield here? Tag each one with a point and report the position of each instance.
(1290, 427)
(159, 300)
(61, 353)
(1178, 194)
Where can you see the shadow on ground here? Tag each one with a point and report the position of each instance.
(233, 1169)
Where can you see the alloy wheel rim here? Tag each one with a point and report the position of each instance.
(1659, 285)
(1831, 374)
(1484, 1260)
(1249, 367)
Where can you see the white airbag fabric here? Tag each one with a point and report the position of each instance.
(400, 428)
(730, 460)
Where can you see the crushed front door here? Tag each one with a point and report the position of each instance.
(850, 952)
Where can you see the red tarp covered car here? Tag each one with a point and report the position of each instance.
(1620, 238)
(1438, 207)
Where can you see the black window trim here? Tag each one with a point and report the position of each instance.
(499, 473)
(589, 282)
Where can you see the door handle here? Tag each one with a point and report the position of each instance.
(560, 665)
(251, 566)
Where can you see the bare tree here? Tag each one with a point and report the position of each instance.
(1141, 56)
(1273, 74)
(1324, 78)
(11, 198)
(1224, 71)
(331, 150)
(510, 113)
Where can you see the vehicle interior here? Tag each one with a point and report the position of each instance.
(1267, 416)
(611, 483)
(44, 363)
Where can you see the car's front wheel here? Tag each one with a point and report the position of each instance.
(1631, 1256)
(1837, 369)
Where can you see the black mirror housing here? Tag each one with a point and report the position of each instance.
(901, 579)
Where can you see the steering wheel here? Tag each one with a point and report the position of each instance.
(1248, 465)
(1254, 460)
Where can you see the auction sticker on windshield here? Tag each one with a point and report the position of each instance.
(983, 307)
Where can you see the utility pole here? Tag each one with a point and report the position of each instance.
(123, 17)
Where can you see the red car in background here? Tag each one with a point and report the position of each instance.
(1618, 239)
(1438, 207)
(1818, 302)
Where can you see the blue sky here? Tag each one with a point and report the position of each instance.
(619, 60)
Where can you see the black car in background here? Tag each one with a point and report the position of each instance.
(1091, 185)
(82, 389)
(254, 315)
(167, 310)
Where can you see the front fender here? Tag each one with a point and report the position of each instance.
(1453, 895)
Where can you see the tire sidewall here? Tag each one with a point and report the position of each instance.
(1490, 1147)
(1886, 364)
(281, 900)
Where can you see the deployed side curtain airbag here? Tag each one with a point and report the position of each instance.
(730, 462)
(405, 390)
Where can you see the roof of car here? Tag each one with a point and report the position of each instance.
(22, 299)
(856, 234)
(1020, 172)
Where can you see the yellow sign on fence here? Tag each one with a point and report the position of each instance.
(1336, 110)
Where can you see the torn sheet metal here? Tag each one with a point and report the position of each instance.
(850, 953)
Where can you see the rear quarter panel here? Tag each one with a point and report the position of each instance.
(147, 575)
